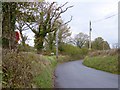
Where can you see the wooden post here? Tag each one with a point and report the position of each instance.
(57, 44)
(90, 36)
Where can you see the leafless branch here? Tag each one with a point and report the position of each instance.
(31, 28)
(64, 4)
(62, 11)
(66, 9)
(68, 21)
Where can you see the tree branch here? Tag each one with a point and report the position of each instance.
(68, 21)
(64, 4)
(31, 28)
(62, 11)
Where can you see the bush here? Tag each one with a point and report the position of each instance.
(49, 52)
(65, 58)
(84, 51)
(74, 52)
(5, 43)
(26, 48)
(16, 70)
(111, 52)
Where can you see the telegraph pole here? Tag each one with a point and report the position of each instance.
(57, 44)
(90, 36)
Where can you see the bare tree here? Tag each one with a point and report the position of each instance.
(80, 39)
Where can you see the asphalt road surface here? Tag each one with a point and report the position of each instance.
(75, 75)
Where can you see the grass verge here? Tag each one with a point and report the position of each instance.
(105, 63)
(45, 78)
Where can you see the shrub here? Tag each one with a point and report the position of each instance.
(84, 51)
(62, 59)
(5, 43)
(16, 70)
(49, 52)
(111, 52)
(26, 48)
(73, 51)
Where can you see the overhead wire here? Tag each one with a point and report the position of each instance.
(108, 17)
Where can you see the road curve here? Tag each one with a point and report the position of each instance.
(75, 75)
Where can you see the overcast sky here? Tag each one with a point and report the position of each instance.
(102, 13)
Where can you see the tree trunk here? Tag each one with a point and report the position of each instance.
(51, 46)
(8, 23)
(39, 43)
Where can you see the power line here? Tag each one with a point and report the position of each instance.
(95, 21)
(102, 19)
(108, 17)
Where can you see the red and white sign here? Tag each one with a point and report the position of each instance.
(17, 36)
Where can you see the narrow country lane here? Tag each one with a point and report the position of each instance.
(75, 75)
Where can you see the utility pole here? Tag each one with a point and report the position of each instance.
(57, 44)
(90, 36)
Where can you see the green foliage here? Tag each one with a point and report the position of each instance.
(47, 19)
(100, 44)
(106, 45)
(64, 32)
(105, 63)
(5, 42)
(26, 48)
(64, 58)
(49, 52)
(84, 51)
(45, 78)
(50, 41)
(73, 51)
(81, 39)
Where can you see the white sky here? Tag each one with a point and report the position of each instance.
(86, 10)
